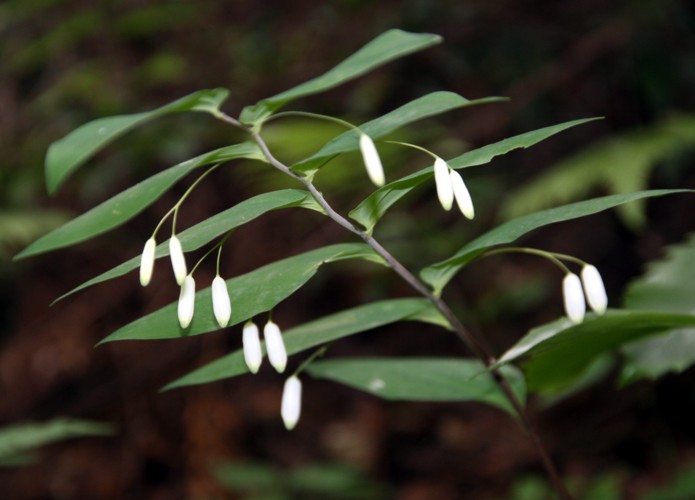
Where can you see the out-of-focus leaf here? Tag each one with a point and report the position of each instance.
(422, 107)
(318, 332)
(127, 204)
(369, 211)
(249, 477)
(439, 274)
(334, 481)
(67, 154)
(680, 486)
(18, 441)
(560, 352)
(325, 480)
(620, 164)
(386, 47)
(19, 227)
(251, 294)
(217, 225)
(423, 379)
(668, 285)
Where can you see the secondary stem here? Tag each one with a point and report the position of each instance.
(464, 334)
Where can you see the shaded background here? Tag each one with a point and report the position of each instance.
(67, 62)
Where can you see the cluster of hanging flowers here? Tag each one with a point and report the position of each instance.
(222, 310)
(574, 290)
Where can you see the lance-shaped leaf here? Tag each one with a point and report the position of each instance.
(369, 211)
(127, 204)
(67, 154)
(669, 286)
(209, 229)
(559, 353)
(386, 47)
(19, 441)
(252, 293)
(418, 109)
(439, 274)
(423, 379)
(320, 331)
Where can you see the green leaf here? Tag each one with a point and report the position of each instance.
(18, 440)
(422, 379)
(669, 286)
(204, 232)
(560, 352)
(252, 293)
(439, 274)
(637, 152)
(369, 211)
(316, 333)
(418, 109)
(67, 154)
(386, 47)
(127, 204)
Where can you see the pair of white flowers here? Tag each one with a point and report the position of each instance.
(221, 303)
(449, 183)
(574, 289)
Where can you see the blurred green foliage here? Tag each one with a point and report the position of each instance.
(263, 481)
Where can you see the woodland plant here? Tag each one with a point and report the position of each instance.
(554, 355)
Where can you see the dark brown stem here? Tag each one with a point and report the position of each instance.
(461, 332)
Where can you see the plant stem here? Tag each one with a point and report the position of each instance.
(464, 334)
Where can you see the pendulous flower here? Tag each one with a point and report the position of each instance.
(594, 289)
(186, 301)
(442, 180)
(147, 262)
(253, 355)
(573, 297)
(463, 197)
(275, 346)
(291, 407)
(372, 162)
(221, 305)
(178, 261)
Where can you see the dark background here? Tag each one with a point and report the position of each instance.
(67, 62)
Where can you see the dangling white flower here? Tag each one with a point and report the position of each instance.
(463, 197)
(253, 355)
(372, 162)
(186, 301)
(221, 305)
(595, 291)
(178, 261)
(573, 297)
(442, 180)
(291, 406)
(275, 346)
(147, 262)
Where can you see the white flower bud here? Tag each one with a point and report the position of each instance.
(221, 305)
(594, 289)
(291, 406)
(186, 301)
(442, 180)
(275, 346)
(253, 355)
(574, 297)
(372, 162)
(147, 262)
(178, 261)
(463, 197)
